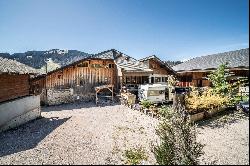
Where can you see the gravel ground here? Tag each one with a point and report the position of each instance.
(78, 134)
(226, 140)
(86, 134)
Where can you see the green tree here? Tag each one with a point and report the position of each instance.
(219, 79)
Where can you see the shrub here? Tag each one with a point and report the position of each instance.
(164, 110)
(135, 156)
(146, 103)
(199, 101)
(178, 145)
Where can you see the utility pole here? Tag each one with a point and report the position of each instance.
(46, 71)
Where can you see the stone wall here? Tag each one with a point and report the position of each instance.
(19, 111)
(59, 96)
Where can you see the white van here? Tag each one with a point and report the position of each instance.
(156, 93)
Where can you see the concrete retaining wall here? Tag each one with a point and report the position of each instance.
(19, 111)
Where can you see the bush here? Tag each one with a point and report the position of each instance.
(146, 103)
(135, 156)
(164, 110)
(200, 101)
(178, 145)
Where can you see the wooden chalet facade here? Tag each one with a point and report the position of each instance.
(14, 79)
(160, 70)
(81, 76)
(194, 72)
(86, 73)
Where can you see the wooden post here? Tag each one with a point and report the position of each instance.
(96, 97)
(112, 94)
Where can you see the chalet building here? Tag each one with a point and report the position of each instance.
(18, 103)
(147, 70)
(194, 72)
(110, 67)
(160, 70)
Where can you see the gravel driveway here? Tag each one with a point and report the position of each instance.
(86, 134)
(78, 134)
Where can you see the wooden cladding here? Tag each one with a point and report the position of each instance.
(86, 73)
(158, 68)
(13, 86)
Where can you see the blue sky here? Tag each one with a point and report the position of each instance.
(170, 29)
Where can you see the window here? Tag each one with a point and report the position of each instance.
(133, 79)
(145, 79)
(59, 76)
(83, 64)
(96, 65)
(163, 79)
(111, 65)
(166, 79)
(127, 79)
(157, 79)
(153, 93)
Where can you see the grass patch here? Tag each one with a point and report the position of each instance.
(135, 156)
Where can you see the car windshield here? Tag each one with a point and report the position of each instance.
(153, 93)
(180, 90)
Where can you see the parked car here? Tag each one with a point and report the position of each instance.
(182, 90)
(244, 106)
(132, 88)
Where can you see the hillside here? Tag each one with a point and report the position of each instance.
(37, 59)
(55, 58)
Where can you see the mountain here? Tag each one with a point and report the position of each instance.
(55, 58)
(173, 63)
(37, 59)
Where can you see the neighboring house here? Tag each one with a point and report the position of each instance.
(77, 80)
(194, 71)
(18, 103)
(108, 67)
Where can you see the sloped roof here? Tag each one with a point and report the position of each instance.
(166, 65)
(127, 63)
(122, 60)
(237, 58)
(12, 66)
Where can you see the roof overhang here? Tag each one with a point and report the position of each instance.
(210, 69)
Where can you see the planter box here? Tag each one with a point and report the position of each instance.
(215, 110)
(209, 113)
(196, 117)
